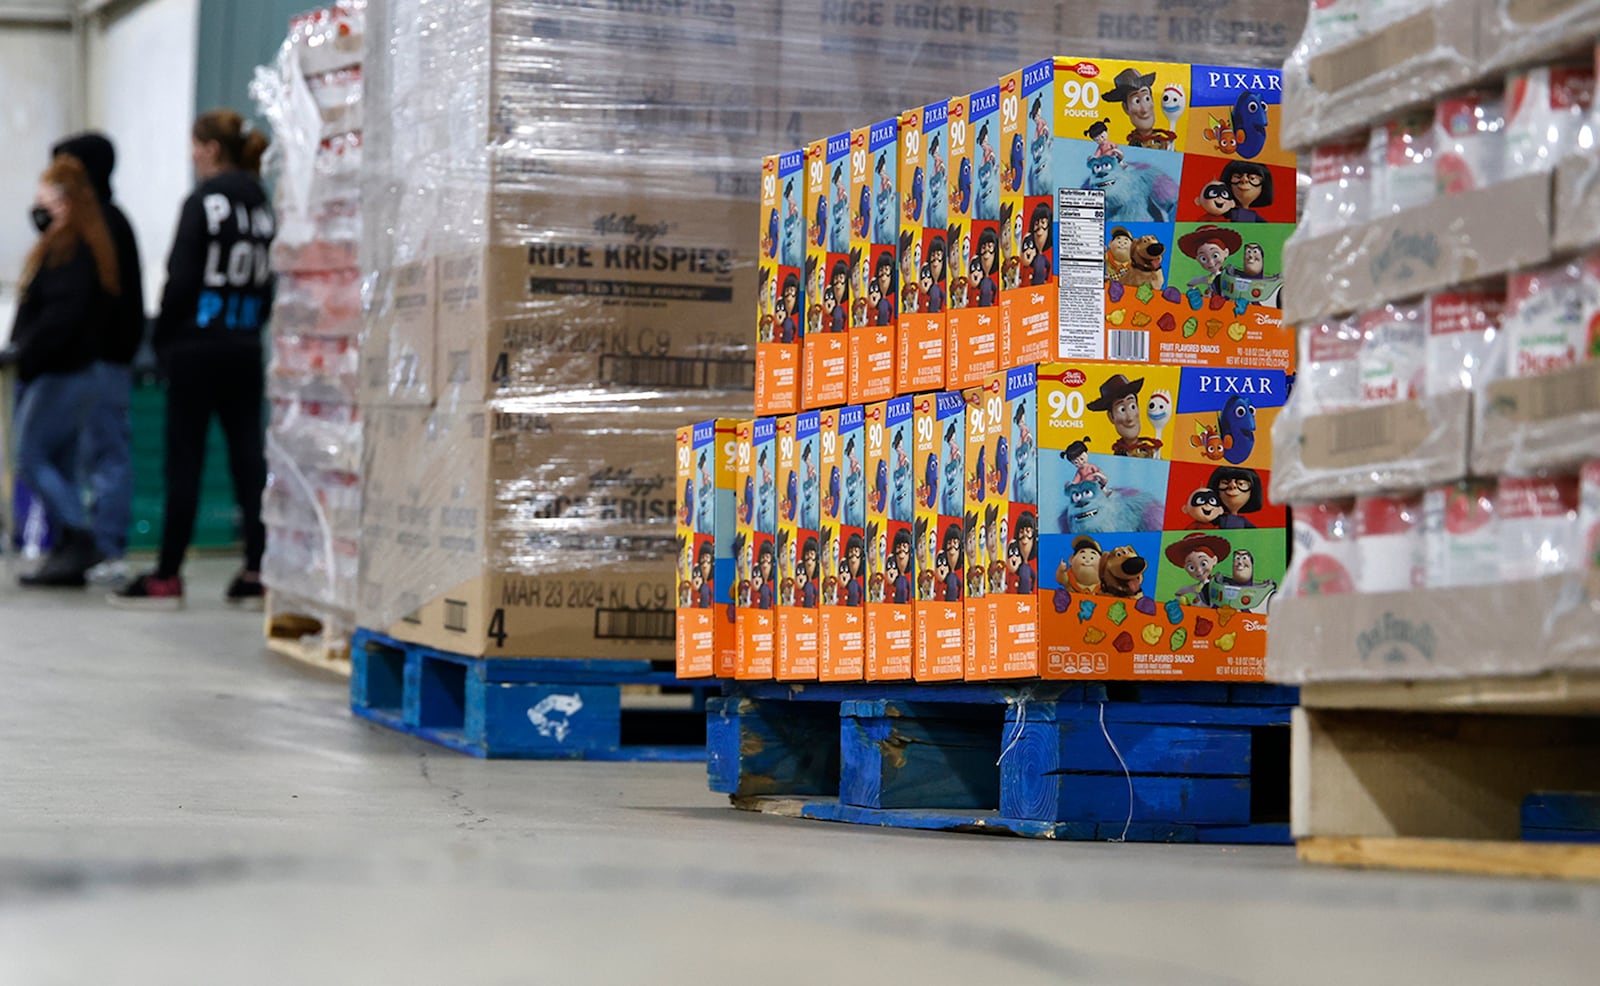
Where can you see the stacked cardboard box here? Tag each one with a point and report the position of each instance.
(312, 503)
(1441, 439)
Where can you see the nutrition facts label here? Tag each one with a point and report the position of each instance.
(1080, 235)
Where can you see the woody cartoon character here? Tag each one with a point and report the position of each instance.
(1133, 91)
(1119, 399)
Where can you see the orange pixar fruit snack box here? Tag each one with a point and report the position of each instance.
(755, 552)
(825, 349)
(874, 240)
(924, 212)
(891, 572)
(782, 296)
(842, 647)
(799, 549)
(939, 427)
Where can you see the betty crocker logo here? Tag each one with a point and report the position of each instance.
(1086, 70)
(1074, 378)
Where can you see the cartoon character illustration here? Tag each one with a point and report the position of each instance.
(764, 518)
(863, 217)
(1133, 91)
(789, 310)
(1238, 489)
(854, 479)
(1158, 410)
(830, 501)
(953, 563)
(900, 561)
(987, 206)
(766, 302)
(1119, 254)
(880, 488)
(1027, 544)
(1236, 422)
(900, 503)
(1240, 590)
(884, 280)
(1000, 476)
(1255, 261)
(961, 190)
(1212, 443)
(785, 570)
(769, 242)
(925, 540)
(993, 549)
(1144, 263)
(1091, 510)
(793, 221)
(1216, 200)
(913, 204)
(952, 472)
(1080, 572)
(1011, 174)
(747, 502)
(1025, 485)
(839, 236)
(686, 507)
(817, 233)
(1042, 262)
(830, 566)
(1122, 572)
(1203, 509)
(1119, 399)
(938, 186)
(1210, 246)
(984, 266)
(1100, 132)
(706, 560)
(1135, 191)
(1198, 554)
(978, 482)
(853, 587)
(1173, 102)
(806, 575)
(928, 489)
(838, 293)
(1222, 136)
(1249, 123)
(933, 276)
(888, 226)
(908, 257)
(976, 564)
(1251, 185)
(764, 592)
(707, 495)
(1038, 181)
(1077, 453)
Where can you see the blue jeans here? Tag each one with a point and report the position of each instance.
(106, 462)
(50, 416)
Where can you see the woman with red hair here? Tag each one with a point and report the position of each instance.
(69, 281)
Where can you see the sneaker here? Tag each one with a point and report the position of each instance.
(74, 555)
(112, 572)
(149, 592)
(246, 592)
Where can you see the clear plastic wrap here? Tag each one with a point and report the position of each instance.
(559, 201)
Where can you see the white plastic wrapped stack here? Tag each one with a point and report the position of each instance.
(312, 97)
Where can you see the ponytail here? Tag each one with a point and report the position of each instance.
(241, 147)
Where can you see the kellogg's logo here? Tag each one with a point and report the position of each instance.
(1074, 378)
(1086, 70)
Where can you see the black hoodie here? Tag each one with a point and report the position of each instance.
(118, 335)
(219, 276)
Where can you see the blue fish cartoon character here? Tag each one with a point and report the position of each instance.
(832, 503)
(772, 233)
(963, 198)
(820, 223)
(1237, 420)
(1016, 165)
(791, 500)
(880, 488)
(748, 502)
(688, 501)
(979, 488)
(930, 483)
(914, 203)
(1001, 478)
(1250, 121)
(863, 221)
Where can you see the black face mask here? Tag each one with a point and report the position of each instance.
(41, 218)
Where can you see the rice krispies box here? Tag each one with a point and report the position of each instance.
(825, 350)
(755, 553)
(707, 462)
(938, 424)
(782, 295)
(1167, 188)
(798, 548)
(924, 214)
(874, 239)
(842, 647)
(1160, 551)
(973, 240)
(891, 573)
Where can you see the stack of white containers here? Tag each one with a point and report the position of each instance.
(312, 503)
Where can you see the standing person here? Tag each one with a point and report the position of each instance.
(68, 285)
(108, 433)
(208, 338)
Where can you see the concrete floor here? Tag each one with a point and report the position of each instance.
(179, 806)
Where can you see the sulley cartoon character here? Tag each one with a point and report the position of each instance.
(1236, 423)
(1250, 123)
(1135, 191)
(1091, 510)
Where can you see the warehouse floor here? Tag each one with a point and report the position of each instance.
(179, 806)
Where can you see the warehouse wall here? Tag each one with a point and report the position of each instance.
(234, 38)
(37, 77)
(141, 83)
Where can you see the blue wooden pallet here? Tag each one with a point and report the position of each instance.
(1185, 762)
(521, 708)
(1561, 816)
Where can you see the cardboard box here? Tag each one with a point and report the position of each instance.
(1027, 215)
(980, 522)
(924, 216)
(825, 353)
(891, 572)
(842, 653)
(1016, 486)
(522, 534)
(1159, 546)
(1405, 445)
(622, 296)
(755, 551)
(973, 323)
(939, 426)
(874, 241)
(1577, 189)
(706, 639)
(798, 546)
(1529, 425)
(1449, 241)
(1523, 627)
(398, 350)
(781, 283)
